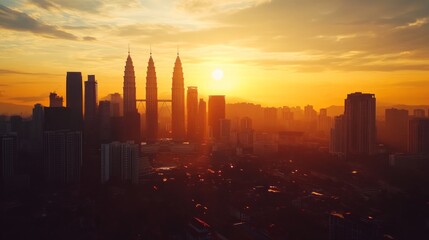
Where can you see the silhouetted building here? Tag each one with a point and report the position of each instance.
(202, 120)
(419, 113)
(419, 136)
(192, 110)
(245, 134)
(397, 129)
(151, 102)
(131, 120)
(338, 136)
(216, 113)
(349, 227)
(178, 103)
(359, 118)
(324, 122)
(74, 99)
(55, 100)
(120, 162)
(225, 130)
(104, 115)
(8, 156)
(270, 119)
(91, 108)
(91, 99)
(116, 104)
(62, 157)
(57, 118)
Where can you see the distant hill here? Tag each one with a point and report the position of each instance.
(15, 109)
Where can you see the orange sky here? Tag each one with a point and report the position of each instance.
(278, 52)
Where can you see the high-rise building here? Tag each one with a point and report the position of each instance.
(62, 157)
(57, 118)
(202, 120)
(104, 115)
(151, 102)
(74, 99)
(131, 120)
(129, 87)
(178, 103)
(419, 113)
(270, 119)
(91, 108)
(324, 122)
(419, 136)
(338, 136)
(348, 227)
(120, 162)
(55, 100)
(8, 155)
(359, 118)
(116, 104)
(245, 135)
(225, 130)
(397, 129)
(216, 113)
(37, 131)
(192, 111)
(91, 98)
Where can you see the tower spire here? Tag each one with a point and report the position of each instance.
(128, 49)
(150, 48)
(177, 50)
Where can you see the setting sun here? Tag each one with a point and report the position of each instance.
(217, 74)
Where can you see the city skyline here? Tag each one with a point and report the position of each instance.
(379, 49)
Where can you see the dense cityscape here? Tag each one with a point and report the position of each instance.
(191, 167)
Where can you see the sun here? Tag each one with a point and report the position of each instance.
(217, 74)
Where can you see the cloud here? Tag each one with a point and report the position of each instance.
(12, 72)
(215, 6)
(19, 21)
(87, 38)
(90, 6)
(30, 99)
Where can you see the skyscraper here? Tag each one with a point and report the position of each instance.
(131, 120)
(178, 103)
(192, 110)
(62, 156)
(8, 155)
(338, 136)
(120, 161)
(202, 120)
(360, 123)
(55, 100)
(419, 136)
(151, 102)
(74, 99)
(216, 113)
(90, 98)
(419, 113)
(129, 87)
(397, 129)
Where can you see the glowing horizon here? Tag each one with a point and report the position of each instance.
(273, 53)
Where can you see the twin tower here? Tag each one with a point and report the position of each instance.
(177, 99)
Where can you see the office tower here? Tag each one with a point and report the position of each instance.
(8, 155)
(225, 130)
(338, 136)
(116, 104)
(74, 99)
(91, 133)
(359, 118)
(324, 122)
(270, 119)
(37, 128)
(120, 162)
(91, 98)
(55, 100)
(178, 103)
(129, 87)
(245, 135)
(216, 113)
(151, 102)
(202, 120)
(397, 129)
(192, 110)
(104, 114)
(131, 120)
(57, 118)
(62, 156)
(309, 113)
(419, 136)
(419, 113)
(16, 124)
